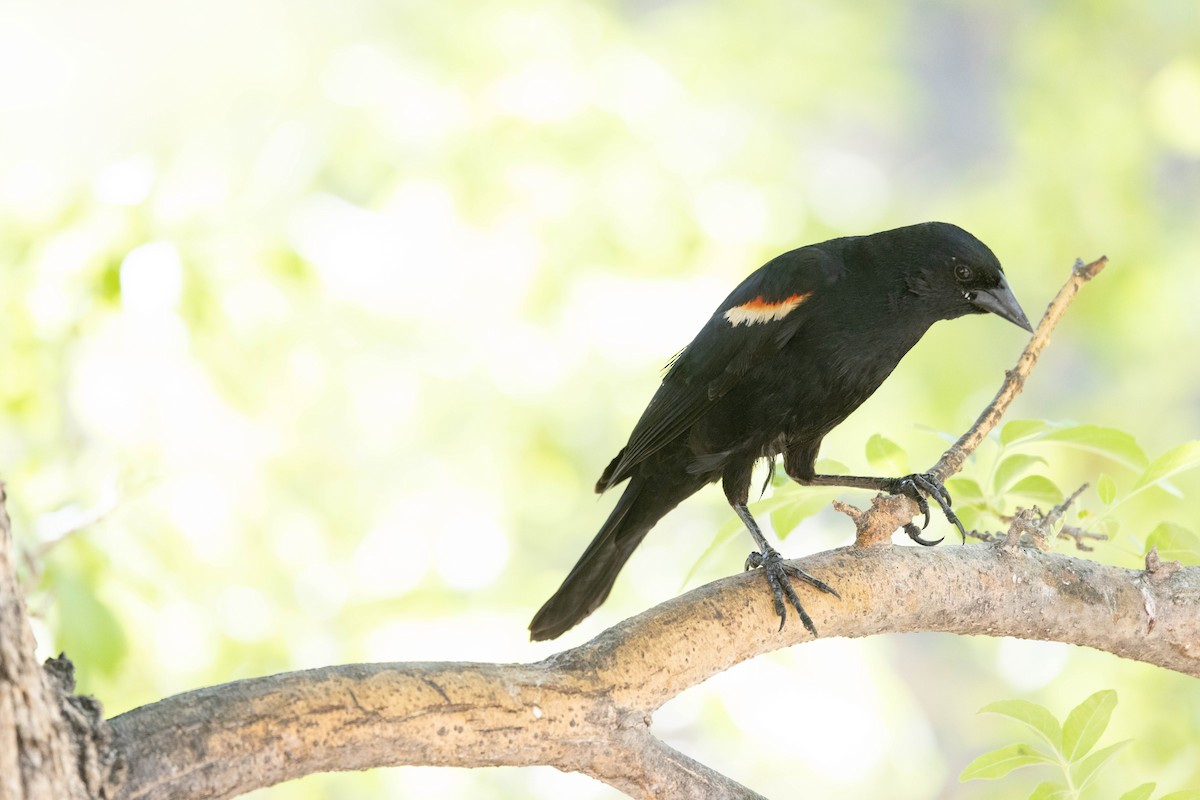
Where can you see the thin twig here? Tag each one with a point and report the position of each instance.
(1056, 513)
(1043, 523)
(1078, 535)
(953, 459)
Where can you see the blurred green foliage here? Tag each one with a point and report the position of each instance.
(1071, 746)
(318, 322)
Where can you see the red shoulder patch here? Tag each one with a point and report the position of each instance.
(761, 310)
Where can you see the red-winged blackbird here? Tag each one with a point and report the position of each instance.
(800, 344)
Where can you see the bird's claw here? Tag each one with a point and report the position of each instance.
(914, 533)
(777, 571)
(916, 486)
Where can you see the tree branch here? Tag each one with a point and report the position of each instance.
(589, 709)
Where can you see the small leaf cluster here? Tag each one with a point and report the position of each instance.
(1018, 472)
(1068, 746)
(1015, 468)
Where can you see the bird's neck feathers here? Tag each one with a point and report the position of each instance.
(901, 275)
(886, 292)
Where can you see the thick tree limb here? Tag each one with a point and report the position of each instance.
(589, 709)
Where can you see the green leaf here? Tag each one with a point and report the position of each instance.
(1048, 790)
(828, 466)
(1039, 489)
(1019, 429)
(1011, 468)
(723, 535)
(999, 763)
(1086, 771)
(1086, 722)
(790, 497)
(964, 490)
(1106, 489)
(945, 436)
(1176, 460)
(971, 516)
(1185, 794)
(797, 508)
(779, 478)
(787, 518)
(1142, 792)
(886, 456)
(1109, 442)
(1174, 543)
(1036, 717)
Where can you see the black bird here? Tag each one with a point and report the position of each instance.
(800, 344)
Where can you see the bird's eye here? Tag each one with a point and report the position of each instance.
(962, 272)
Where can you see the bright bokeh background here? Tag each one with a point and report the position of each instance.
(319, 320)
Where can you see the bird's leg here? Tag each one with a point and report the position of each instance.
(777, 572)
(915, 486)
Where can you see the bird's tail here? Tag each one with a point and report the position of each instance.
(591, 579)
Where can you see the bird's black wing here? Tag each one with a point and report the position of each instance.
(758, 319)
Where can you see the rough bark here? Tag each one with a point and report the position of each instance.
(53, 746)
(589, 709)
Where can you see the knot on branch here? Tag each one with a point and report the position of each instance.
(1157, 573)
(102, 767)
(1157, 569)
(1085, 272)
(875, 526)
(1038, 526)
(1029, 522)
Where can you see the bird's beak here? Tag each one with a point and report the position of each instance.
(1000, 301)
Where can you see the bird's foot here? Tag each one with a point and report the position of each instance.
(777, 571)
(916, 486)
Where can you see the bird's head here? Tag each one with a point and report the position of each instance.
(954, 274)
